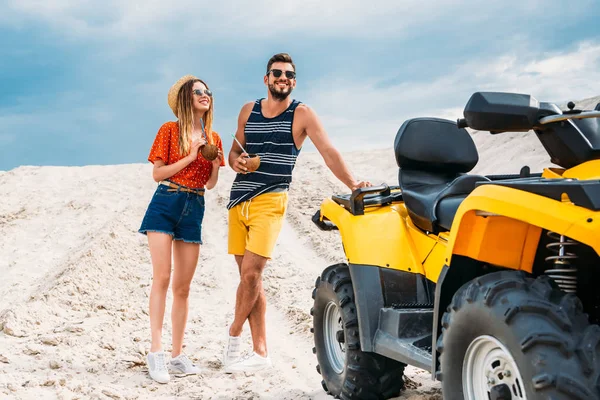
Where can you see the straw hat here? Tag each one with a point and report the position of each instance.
(174, 91)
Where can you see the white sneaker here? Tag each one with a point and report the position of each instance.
(182, 365)
(233, 349)
(250, 363)
(157, 367)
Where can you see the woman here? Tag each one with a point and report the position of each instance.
(173, 220)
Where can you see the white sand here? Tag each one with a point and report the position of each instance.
(75, 278)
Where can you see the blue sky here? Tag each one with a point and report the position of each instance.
(85, 82)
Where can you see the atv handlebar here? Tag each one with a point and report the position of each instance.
(562, 117)
(462, 122)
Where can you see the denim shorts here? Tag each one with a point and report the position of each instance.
(176, 213)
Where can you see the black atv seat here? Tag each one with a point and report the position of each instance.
(434, 156)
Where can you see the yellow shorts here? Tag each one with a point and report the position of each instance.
(254, 225)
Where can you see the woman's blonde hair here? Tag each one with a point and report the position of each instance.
(186, 116)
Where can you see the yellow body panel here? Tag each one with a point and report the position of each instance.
(552, 172)
(510, 235)
(494, 224)
(424, 243)
(435, 261)
(588, 170)
(498, 240)
(380, 237)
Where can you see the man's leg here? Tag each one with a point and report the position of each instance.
(264, 217)
(249, 291)
(237, 238)
(256, 319)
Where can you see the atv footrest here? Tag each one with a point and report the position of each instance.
(412, 305)
(402, 350)
(405, 335)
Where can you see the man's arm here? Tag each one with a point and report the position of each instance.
(235, 153)
(332, 157)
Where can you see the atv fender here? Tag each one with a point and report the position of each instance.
(497, 228)
(502, 226)
(380, 237)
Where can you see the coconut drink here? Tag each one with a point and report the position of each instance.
(252, 162)
(209, 151)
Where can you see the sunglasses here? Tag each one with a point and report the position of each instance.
(277, 73)
(200, 92)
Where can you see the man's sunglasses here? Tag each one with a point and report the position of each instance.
(277, 73)
(200, 92)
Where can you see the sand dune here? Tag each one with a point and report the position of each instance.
(76, 277)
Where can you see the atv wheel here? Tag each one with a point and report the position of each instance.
(507, 336)
(348, 373)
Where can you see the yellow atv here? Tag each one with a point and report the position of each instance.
(492, 283)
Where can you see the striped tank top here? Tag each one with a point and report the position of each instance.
(272, 140)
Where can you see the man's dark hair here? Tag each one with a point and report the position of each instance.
(280, 57)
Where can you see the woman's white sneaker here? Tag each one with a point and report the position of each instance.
(182, 365)
(157, 367)
(250, 363)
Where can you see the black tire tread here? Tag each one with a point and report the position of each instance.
(572, 372)
(367, 375)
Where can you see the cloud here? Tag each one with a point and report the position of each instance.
(259, 17)
(550, 76)
(95, 74)
(162, 21)
(365, 113)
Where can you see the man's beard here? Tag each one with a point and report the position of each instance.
(277, 95)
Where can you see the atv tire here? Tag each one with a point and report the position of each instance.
(348, 372)
(506, 321)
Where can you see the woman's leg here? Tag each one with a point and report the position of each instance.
(160, 252)
(185, 257)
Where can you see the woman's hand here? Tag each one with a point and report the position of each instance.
(216, 163)
(196, 144)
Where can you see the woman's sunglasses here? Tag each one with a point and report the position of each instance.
(277, 73)
(200, 92)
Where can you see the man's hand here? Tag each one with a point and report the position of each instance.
(239, 164)
(361, 184)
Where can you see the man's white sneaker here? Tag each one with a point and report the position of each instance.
(182, 365)
(232, 350)
(250, 363)
(157, 367)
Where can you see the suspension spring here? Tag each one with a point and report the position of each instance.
(563, 270)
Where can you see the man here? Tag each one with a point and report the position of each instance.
(274, 128)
